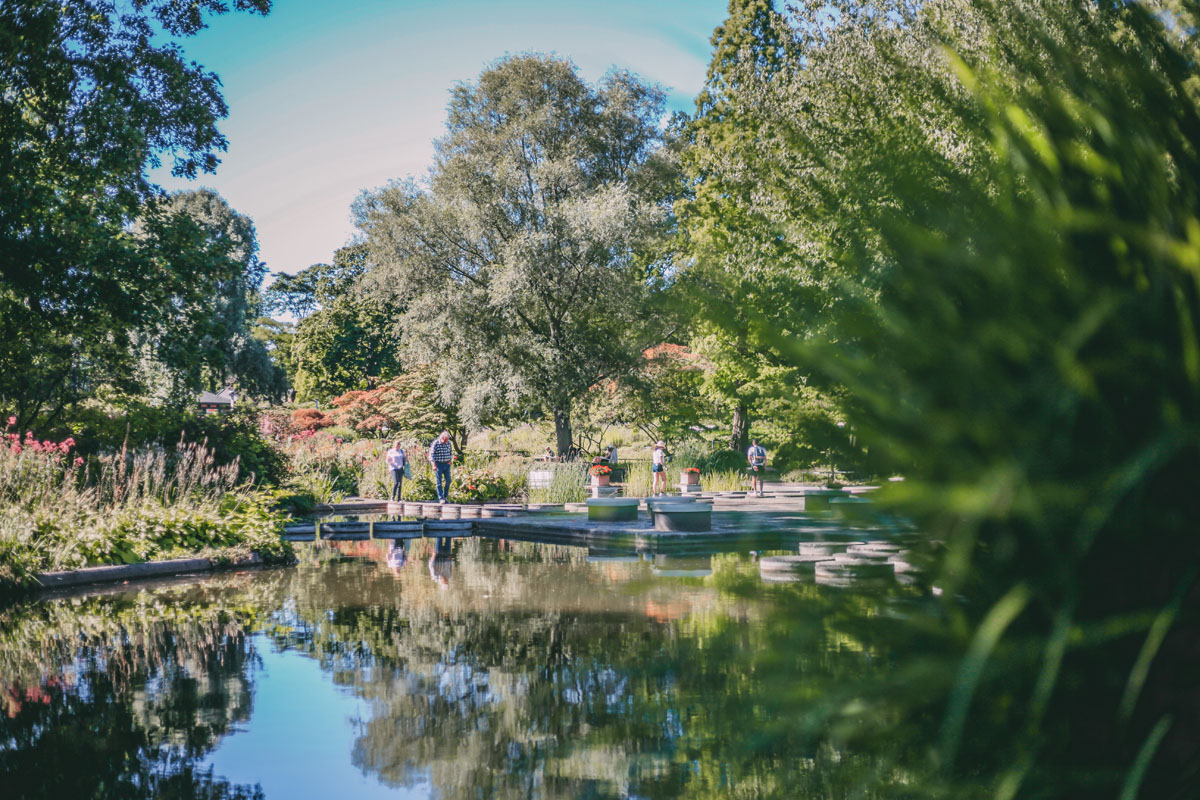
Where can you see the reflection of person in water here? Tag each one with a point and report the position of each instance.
(440, 563)
(397, 555)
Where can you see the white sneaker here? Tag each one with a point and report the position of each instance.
(441, 502)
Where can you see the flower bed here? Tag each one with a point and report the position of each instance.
(59, 512)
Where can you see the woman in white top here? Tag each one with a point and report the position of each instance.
(658, 467)
(396, 460)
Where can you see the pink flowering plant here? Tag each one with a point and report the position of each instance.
(60, 511)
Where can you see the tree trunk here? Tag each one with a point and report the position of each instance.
(562, 432)
(739, 435)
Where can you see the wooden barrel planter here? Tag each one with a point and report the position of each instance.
(612, 509)
(345, 531)
(682, 517)
(397, 529)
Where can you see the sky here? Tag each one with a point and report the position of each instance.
(330, 97)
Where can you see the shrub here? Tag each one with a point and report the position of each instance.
(722, 461)
(310, 419)
(59, 512)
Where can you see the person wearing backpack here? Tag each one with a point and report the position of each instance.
(757, 457)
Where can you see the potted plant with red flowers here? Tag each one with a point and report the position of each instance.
(600, 474)
(691, 476)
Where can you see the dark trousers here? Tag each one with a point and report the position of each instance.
(397, 483)
(443, 479)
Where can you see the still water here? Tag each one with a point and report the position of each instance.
(484, 669)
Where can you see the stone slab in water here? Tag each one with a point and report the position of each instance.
(448, 527)
(397, 529)
(345, 531)
(805, 563)
(823, 548)
(852, 569)
(694, 517)
(300, 532)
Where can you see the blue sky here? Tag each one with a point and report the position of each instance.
(330, 97)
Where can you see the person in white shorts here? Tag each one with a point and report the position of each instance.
(658, 467)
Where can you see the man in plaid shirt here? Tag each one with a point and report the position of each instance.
(441, 453)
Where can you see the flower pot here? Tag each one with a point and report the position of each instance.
(691, 478)
(600, 480)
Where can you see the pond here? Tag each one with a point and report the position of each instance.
(466, 668)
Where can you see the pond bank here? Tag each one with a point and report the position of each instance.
(150, 569)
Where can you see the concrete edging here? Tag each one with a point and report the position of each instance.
(149, 569)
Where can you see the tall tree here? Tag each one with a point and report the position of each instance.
(344, 340)
(91, 95)
(210, 343)
(719, 217)
(524, 262)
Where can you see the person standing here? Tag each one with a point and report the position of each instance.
(441, 453)
(757, 457)
(397, 460)
(658, 467)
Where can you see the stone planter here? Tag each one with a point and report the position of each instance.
(612, 509)
(682, 517)
(689, 478)
(601, 480)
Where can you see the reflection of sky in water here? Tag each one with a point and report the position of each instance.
(298, 741)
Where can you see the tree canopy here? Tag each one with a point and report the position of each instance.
(526, 259)
(91, 96)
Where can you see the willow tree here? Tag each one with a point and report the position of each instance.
(525, 259)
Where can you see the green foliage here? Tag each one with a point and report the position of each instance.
(986, 214)
(344, 340)
(110, 421)
(721, 461)
(126, 508)
(568, 483)
(91, 256)
(408, 407)
(524, 270)
(661, 397)
(210, 344)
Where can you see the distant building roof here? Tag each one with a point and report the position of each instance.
(225, 397)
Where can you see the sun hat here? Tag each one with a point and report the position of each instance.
(661, 443)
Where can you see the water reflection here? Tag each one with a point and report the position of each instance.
(121, 697)
(482, 669)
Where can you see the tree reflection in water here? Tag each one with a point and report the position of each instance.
(121, 697)
(532, 672)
